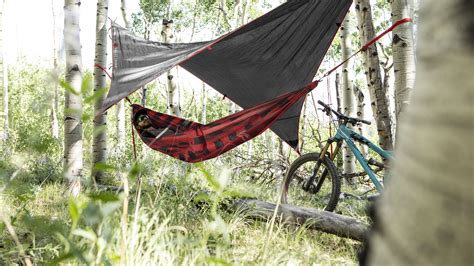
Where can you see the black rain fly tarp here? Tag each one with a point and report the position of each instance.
(277, 53)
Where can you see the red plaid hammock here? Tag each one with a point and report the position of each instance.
(193, 142)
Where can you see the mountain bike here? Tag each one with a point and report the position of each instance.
(313, 177)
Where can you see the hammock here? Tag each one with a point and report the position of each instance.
(277, 53)
(193, 142)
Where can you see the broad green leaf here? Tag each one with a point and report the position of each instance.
(238, 194)
(86, 117)
(94, 97)
(134, 171)
(86, 85)
(105, 196)
(68, 87)
(211, 180)
(87, 234)
(99, 130)
(72, 112)
(73, 211)
(92, 214)
(61, 258)
(217, 261)
(103, 167)
(110, 207)
(202, 197)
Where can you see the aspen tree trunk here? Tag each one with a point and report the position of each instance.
(347, 92)
(244, 15)
(195, 13)
(378, 95)
(303, 124)
(204, 103)
(123, 8)
(99, 145)
(73, 162)
(174, 107)
(120, 127)
(120, 107)
(54, 100)
(337, 83)
(144, 93)
(403, 55)
(425, 215)
(360, 112)
(4, 78)
(236, 13)
(283, 153)
(245, 5)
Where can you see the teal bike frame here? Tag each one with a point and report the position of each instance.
(345, 134)
(350, 137)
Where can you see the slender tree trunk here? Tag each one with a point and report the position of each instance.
(195, 13)
(360, 111)
(99, 145)
(144, 93)
(204, 104)
(378, 95)
(4, 78)
(303, 124)
(174, 107)
(120, 107)
(403, 55)
(55, 99)
(283, 153)
(425, 215)
(73, 162)
(337, 83)
(244, 15)
(235, 13)
(347, 92)
(123, 8)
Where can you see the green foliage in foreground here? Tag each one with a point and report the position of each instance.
(180, 220)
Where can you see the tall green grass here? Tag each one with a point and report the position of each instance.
(169, 227)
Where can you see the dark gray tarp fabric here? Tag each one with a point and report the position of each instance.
(274, 54)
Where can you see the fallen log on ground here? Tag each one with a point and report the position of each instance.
(332, 223)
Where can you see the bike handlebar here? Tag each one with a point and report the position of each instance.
(351, 120)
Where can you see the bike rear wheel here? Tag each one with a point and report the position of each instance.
(322, 193)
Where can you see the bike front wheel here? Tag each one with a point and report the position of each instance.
(312, 183)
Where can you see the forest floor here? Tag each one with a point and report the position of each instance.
(175, 223)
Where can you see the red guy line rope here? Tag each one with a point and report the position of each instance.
(363, 48)
(103, 69)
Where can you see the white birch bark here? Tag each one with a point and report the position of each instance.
(303, 125)
(425, 215)
(360, 113)
(120, 127)
(174, 107)
(55, 99)
(120, 107)
(337, 83)
(73, 158)
(99, 143)
(378, 95)
(347, 92)
(204, 104)
(403, 55)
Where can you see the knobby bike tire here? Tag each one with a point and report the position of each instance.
(331, 171)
